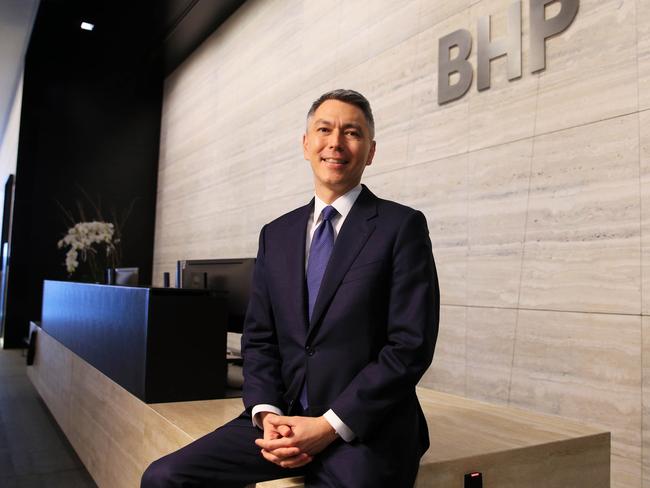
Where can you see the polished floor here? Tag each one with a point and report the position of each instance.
(33, 450)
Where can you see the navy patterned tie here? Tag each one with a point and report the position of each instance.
(319, 254)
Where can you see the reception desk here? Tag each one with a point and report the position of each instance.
(159, 344)
(116, 435)
(111, 363)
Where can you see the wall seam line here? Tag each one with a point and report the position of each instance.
(641, 260)
(523, 246)
(551, 310)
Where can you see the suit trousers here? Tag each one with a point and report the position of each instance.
(229, 458)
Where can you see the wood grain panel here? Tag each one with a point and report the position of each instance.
(644, 124)
(493, 435)
(447, 373)
(386, 31)
(54, 383)
(643, 52)
(587, 367)
(591, 68)
(644, 165)
(89, 433)
(432, 13)
(198, 418)
(645, 389)
(499, 181)
(490, 349)
(582, 249)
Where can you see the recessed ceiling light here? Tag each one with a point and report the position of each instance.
(87, 26)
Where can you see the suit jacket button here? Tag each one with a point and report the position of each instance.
(310, 350)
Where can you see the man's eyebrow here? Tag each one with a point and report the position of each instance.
(353, 125)
(348, 125)
(322, 121)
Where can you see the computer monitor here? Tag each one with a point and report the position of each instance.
(126, 276)
(230, 276)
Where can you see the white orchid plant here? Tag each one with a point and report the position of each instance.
(82, 241)
(94, 242)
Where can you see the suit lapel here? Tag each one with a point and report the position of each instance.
(354, 233)
(295, 259)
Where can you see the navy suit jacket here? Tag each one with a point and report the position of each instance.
(373, 329)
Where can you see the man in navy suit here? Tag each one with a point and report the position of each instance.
(341, 325)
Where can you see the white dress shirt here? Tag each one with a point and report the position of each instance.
(343, 205)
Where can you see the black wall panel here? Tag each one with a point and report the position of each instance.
(91, 120)
(90, 123)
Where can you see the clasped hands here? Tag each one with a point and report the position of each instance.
(292, 442)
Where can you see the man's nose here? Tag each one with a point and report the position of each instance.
(335, 139)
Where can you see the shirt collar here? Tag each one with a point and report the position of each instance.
(342, 204)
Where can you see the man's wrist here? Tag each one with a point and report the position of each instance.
(331, 431)
(256, 414)
(342, 430)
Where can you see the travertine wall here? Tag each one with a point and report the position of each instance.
(537, 191)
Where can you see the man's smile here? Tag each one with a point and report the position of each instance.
(334, 160)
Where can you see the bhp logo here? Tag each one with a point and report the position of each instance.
(541, 29)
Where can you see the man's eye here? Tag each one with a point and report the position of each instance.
(322, 129)
(352, 133)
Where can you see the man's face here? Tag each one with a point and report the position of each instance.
(338, 146)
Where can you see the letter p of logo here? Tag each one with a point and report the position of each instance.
(542, 28)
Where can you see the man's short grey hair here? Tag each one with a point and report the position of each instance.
(348, 96)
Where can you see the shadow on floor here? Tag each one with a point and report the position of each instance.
(33, 450)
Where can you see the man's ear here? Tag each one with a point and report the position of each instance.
(371, 153)
(304, 147)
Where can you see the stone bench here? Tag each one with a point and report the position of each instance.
(116, 435)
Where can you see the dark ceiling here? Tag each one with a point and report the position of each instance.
(128, 34)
